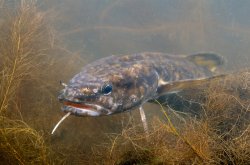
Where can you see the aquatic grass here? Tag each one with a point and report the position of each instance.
(21, 144)
(31, 65)
(29, 84)
(197, 149)
(20, 55)
(219, 136)
(160, 146)
(227, 112)
(24, 43)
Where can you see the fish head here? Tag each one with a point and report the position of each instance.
(107, 87)
(85, 96)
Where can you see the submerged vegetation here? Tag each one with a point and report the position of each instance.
(31, 65)
(220, 136)
(24, 41)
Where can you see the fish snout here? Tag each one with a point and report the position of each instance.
(71, 94)
(61, 97)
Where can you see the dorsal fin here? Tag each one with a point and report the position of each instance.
(208, 60)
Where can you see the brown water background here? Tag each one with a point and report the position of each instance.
(92, 29)
(98, 29)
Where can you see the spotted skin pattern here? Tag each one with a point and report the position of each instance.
(135, 79)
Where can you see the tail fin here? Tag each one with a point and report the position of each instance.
(208, 60)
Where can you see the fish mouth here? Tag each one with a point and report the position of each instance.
(84, 109)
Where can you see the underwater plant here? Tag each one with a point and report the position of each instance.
(219, 136)
(24, 42)
(31, 65)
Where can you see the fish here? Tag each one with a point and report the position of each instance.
(117, 84)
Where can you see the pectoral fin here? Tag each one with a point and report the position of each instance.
(175, 86)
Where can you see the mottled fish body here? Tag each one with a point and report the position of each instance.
(120, 83)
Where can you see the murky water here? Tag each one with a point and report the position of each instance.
(98, 29)
(94, 29)
(180, 27)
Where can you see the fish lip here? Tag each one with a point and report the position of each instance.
(92, 110)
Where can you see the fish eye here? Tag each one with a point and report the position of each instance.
(107, 89)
